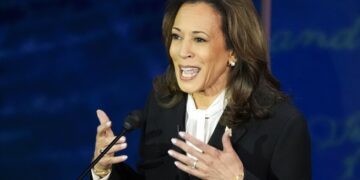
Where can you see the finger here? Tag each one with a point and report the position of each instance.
(188, 149)
(121, 140)
(102, 128)
(226, 142)
(106, 161)
(103, 118)
(102, 143)
(189, 170)
(199, 144)
(109, 140)
(117, 148)
(182, 158)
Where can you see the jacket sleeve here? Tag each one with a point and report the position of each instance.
(292, 154)
(249, 176)
(122, 171)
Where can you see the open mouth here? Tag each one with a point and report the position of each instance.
(189, 72)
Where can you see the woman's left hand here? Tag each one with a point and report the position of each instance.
(208, 163)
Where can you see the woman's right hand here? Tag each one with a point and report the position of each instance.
(104, 137)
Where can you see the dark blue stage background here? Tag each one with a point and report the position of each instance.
(60, 60)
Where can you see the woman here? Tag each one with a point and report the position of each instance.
(217, 112)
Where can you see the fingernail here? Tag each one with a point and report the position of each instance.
(181, 134)
(108, 123)
(98, 112)
(170, 152)
(229, 132)
(123, 138)
(173, 140)
(125, 157)
(123, 145)
(176, 163)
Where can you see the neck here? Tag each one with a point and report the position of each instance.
(203, 99)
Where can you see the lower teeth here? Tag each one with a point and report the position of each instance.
(188, 74)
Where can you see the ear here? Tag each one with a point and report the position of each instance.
(232, 56)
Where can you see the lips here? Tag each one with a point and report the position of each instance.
(189, 72)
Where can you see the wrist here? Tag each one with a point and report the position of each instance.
(101, 172)
(239, 176)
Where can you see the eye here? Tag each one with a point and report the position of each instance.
(175, 36)
(200, 40)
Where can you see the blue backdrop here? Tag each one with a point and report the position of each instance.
(61, 60)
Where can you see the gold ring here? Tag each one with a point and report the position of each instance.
(194, 164)
(102, 150)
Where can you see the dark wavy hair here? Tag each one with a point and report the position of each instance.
(251, 88)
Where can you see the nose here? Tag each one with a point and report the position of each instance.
(185, 51)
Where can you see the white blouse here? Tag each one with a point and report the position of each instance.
(201, 123)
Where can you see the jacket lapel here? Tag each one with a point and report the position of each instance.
(179, 120)
(180, 115)
(237, 134)
(215, 139)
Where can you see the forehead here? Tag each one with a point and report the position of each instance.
(198, 16)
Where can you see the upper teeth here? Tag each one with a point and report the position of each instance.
(189, 72)
(190, 69)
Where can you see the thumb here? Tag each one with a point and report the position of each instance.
(226, 141)
(103, 118)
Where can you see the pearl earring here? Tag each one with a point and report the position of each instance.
(232, 63)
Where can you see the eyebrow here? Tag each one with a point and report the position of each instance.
(194, 32)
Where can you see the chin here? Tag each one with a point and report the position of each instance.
(188, 87)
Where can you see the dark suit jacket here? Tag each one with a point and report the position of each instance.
(275, 148)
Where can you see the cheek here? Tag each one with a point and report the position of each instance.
(173, 59)
(172, 52)
(215, 67)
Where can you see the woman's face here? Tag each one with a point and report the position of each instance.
(198, 49)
